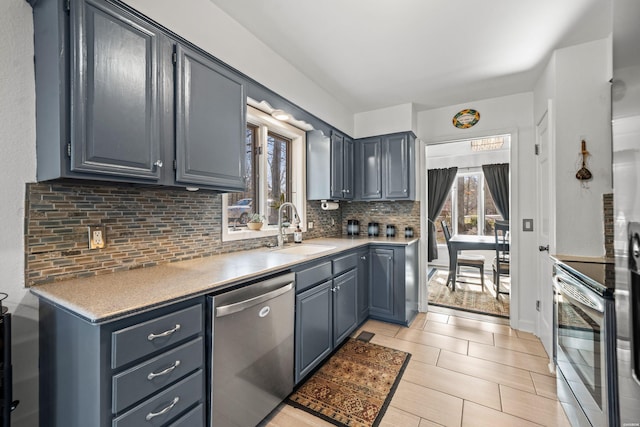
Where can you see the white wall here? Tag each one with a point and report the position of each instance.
(207, 26)
(398, 118)
(509, 114)
(577, 81)
(18, 165)
(583, 110)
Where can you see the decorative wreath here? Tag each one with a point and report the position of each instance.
(466, 118)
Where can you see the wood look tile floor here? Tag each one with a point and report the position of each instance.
(465, 370)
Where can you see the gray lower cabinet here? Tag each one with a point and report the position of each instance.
(393, 284)
(385, 167)
(326, 309)
(147, 369)
(313, 328)
(345, 305)
(363, 285)
(121, 99)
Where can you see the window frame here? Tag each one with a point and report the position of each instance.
(265, 124)
(481, 198)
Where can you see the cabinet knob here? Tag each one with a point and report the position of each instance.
(364, 258)
(158, 163)
(404, 191)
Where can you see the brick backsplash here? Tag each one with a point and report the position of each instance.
(607, 207)
(145, 226)
(401, 214)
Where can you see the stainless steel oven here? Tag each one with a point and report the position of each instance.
(584, 333)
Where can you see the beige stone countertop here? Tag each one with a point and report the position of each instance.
(109, 297)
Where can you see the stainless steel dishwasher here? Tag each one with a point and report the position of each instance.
(252, 350)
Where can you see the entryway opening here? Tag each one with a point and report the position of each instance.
(468, 210)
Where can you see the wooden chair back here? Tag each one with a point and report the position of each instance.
(501, 231)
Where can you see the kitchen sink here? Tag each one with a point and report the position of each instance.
(305, 249)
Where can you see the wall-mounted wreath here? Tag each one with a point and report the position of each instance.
(466, 118)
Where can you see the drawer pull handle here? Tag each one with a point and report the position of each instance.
(152, 415)
(152, 337)
(152, 375)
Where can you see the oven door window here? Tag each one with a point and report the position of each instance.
(581, 348)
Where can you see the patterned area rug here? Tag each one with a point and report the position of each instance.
(354, 387)
(469, 294)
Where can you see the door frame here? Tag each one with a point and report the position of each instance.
(544, 329)
(514, 215)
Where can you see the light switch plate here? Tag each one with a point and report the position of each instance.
(97, 237)
(527, 224)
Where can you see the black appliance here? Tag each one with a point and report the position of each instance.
(584, 334)
(7, 404)
(628, 339)
(625, 111)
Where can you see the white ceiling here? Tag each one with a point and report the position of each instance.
(372, 54)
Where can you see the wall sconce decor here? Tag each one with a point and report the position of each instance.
(583, 173)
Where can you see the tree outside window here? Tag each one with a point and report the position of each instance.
(469, 208)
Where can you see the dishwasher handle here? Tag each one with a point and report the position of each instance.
(235, 307)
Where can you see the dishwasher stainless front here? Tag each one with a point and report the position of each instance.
(252, 350)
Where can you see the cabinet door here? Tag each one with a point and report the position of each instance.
(337, 165)
(345, 305)
(382, 284)
(396, 167)
(313, 328)
(363, 286)
(370, 167)
(210, 123)
(115, 98)
(347, 169)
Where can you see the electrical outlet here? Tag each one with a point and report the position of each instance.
(310, 225)
(97, 237)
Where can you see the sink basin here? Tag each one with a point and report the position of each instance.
(305, 249)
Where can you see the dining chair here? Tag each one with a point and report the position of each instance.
(476, 261)
(501, 262)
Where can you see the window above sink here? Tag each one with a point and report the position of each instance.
(275, 159)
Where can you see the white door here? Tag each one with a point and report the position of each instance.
(544, 203)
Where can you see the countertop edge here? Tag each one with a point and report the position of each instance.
(88, 298)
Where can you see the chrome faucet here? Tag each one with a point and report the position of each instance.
(280, 229)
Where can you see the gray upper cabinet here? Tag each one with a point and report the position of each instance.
(210, 120)
(370, 167)
(341, 167)
(397, 166)
(385, 166)
(330, 166)
(114, 93)
(129, 101)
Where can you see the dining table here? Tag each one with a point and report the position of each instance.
(467, 242)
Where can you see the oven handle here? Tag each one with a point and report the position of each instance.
(565, 282)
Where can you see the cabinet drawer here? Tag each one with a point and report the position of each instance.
(193, 418)
(164, 407)
(142, 380)
(345, 263)
(136, 341)
(312, 275)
